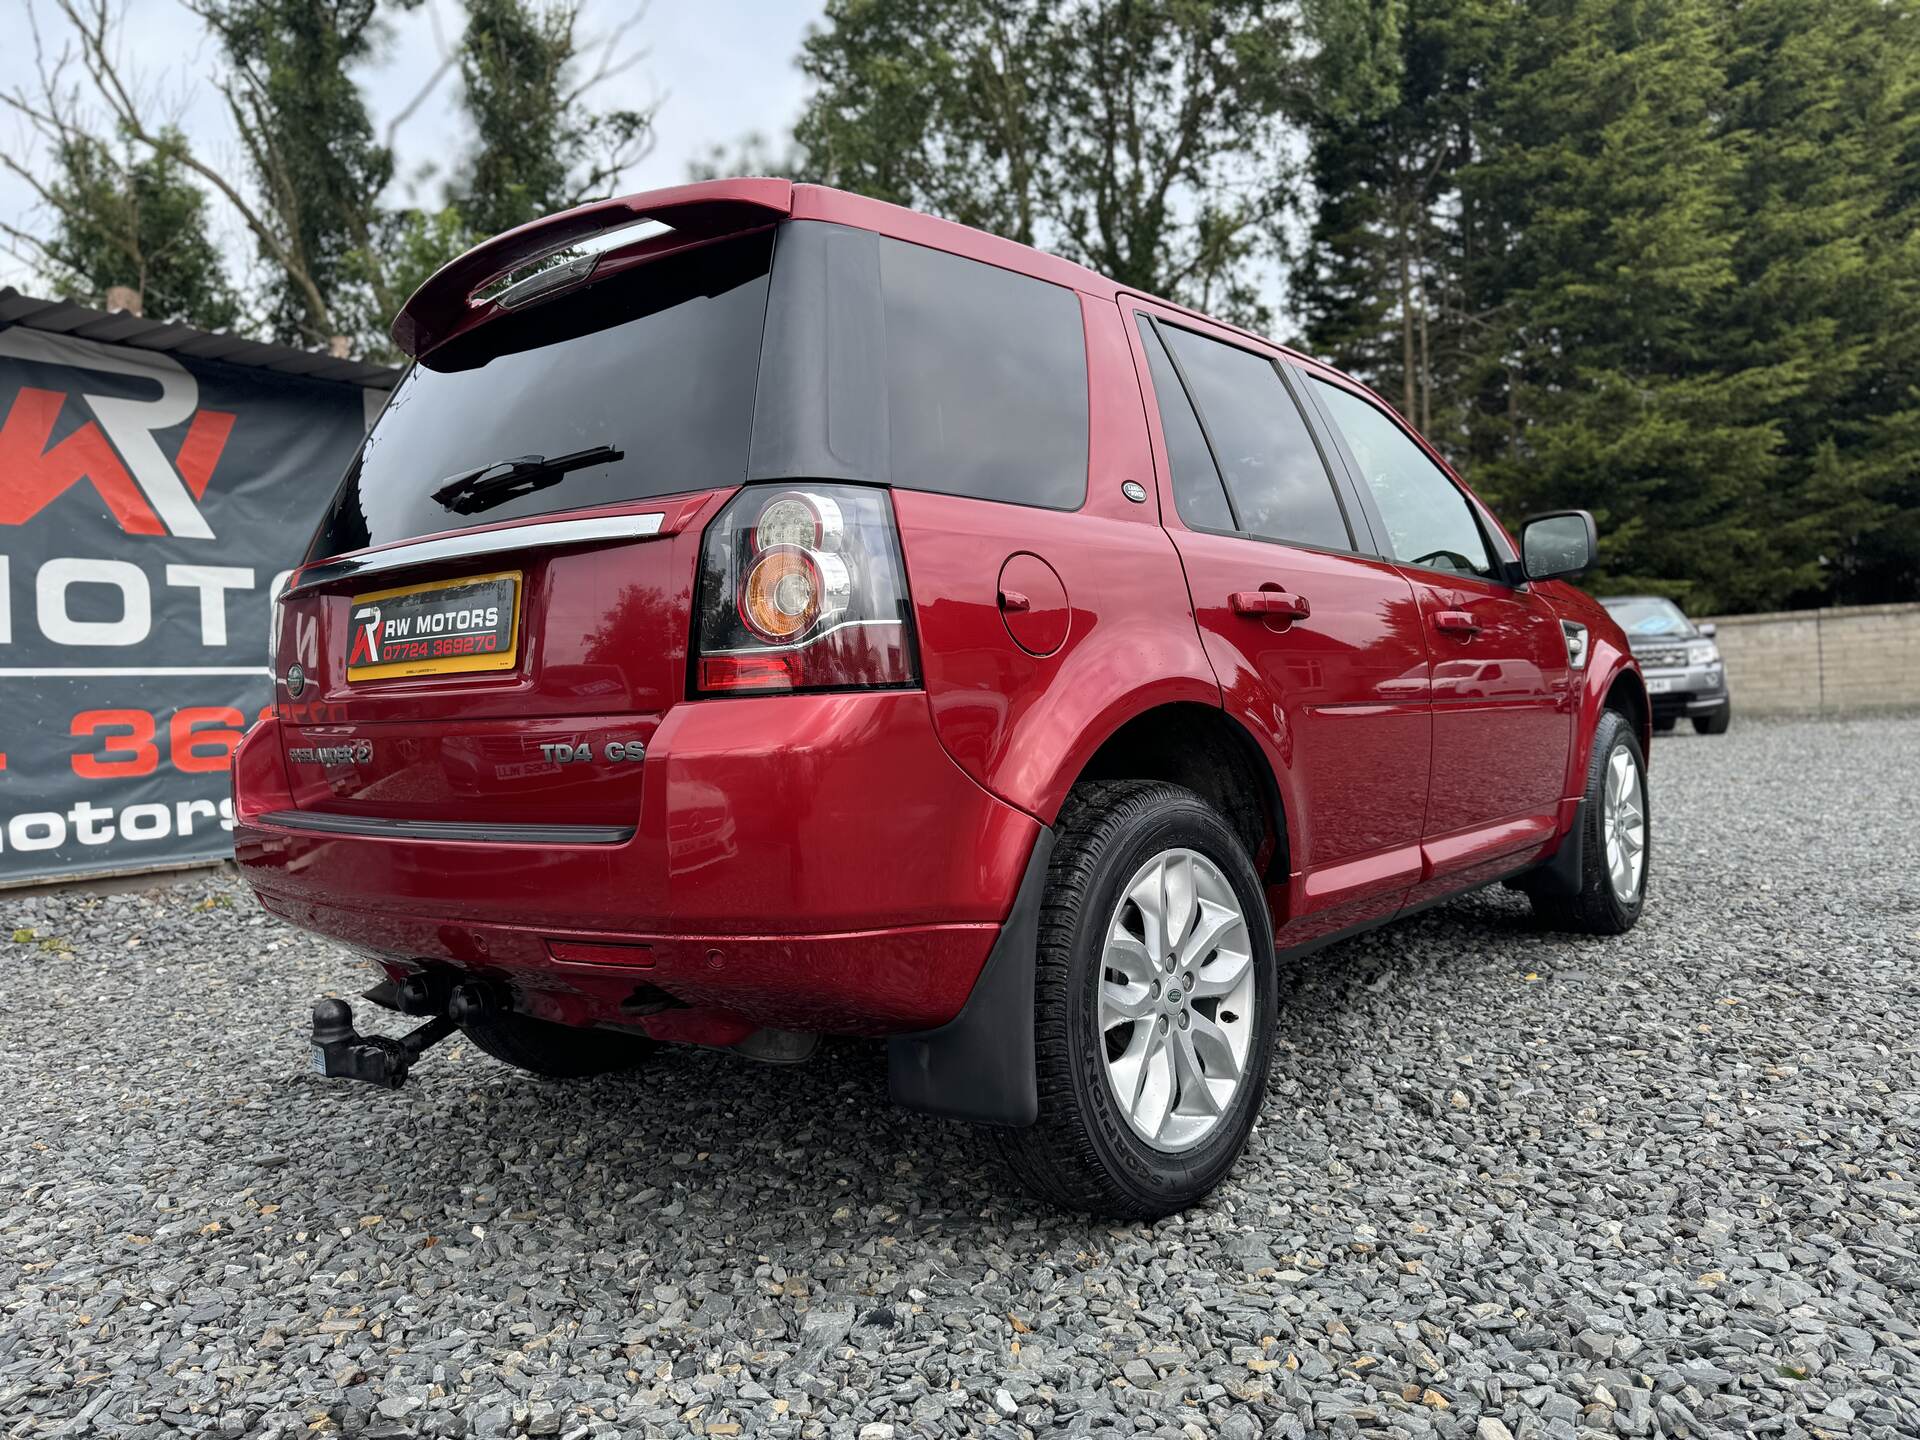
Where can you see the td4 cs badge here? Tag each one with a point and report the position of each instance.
(580, 752)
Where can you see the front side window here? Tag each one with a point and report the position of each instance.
(1280, 486)
(1429, 522)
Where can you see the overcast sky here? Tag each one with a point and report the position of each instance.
(721, 68)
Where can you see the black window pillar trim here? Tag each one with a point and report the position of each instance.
(1348, 467)
(1199, 416)
(1363, 523)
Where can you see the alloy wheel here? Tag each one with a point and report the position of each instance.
(1176, 1001)
(1624, 823)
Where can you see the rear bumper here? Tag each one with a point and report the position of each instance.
(804, 862)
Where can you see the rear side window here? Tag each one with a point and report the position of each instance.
(1197, 492)
(1273, 471)
(986, 375)
(656, 364)
(1429, 522)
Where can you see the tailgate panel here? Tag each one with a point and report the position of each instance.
(557, 738)
(602, 631)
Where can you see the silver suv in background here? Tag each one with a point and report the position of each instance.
(1684, 672)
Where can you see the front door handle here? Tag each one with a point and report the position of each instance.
(1456, 622)
(1277, 604)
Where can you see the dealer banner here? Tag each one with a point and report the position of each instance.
(149, 509)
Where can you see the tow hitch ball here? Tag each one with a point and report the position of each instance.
(341, 1053)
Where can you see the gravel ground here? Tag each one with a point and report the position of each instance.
(1505, 1184)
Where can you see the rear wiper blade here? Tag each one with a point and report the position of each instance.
(485, 486)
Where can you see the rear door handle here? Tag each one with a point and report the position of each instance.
(1014, 601)
(1280, 603)
(1455, 622)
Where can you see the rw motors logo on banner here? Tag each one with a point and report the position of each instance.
(148, 511)
(114, 447)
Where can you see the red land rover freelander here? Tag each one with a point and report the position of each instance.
(762, 612)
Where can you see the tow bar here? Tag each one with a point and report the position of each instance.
(341, 1053)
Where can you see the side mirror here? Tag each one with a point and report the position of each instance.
(1559, 544)
(1709, 630)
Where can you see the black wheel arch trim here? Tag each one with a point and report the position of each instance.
(1273, 802)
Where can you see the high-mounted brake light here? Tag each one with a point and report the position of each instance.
(466, 291)
(803, 589)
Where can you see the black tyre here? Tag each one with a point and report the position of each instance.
(1616, 838)
(1155, 975)
(558, 1052)
(1716, 723)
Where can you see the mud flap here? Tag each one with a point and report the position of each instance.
(1564, 874)
(979, 1066)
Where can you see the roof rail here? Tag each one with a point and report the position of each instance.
(445, 307)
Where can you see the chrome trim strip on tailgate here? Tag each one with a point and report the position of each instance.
(480, 542)
(379, 828)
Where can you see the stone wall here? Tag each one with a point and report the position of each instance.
(1852, 657)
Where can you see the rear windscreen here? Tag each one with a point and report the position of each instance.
(641, 384)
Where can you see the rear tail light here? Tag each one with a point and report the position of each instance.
(802, 588)
(800, 517)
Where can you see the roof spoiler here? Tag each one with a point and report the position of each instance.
(444, 306)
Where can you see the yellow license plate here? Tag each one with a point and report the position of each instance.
(451, 627)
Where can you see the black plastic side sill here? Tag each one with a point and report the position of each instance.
(378, 828)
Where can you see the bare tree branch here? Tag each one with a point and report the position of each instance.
(41, 255)
(449, 58)
(421, 96)
(596, 183)
(93, 24)
(611, 64)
